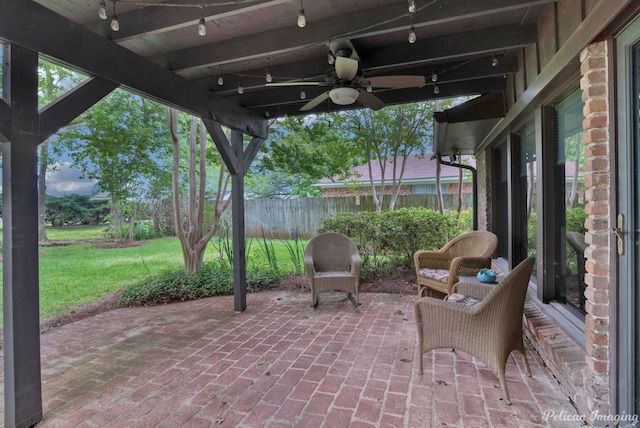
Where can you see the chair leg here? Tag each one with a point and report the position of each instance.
(353, 300)
(505, 392)
(527, 370)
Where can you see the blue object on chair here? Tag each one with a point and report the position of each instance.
(487, 275)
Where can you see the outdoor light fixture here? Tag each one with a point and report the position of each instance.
(412, 6)
(412, 35)
(115, 25)
(302, 21)
(102, 12)
(344, 96)
(202, 28)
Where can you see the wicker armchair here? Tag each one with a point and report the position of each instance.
(463, 255)
(332, 262)
(489, 329)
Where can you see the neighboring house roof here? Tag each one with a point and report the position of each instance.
(419, 169)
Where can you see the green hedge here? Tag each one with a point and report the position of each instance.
(388, 239)
(213, 279)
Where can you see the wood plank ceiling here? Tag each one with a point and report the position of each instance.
(469, 45)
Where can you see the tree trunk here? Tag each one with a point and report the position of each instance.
(194, 239)
(42, 191)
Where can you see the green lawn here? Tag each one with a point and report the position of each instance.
(75, 275)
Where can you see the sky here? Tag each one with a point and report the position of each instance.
(64, 179)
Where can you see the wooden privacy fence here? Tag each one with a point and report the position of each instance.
(278, 218)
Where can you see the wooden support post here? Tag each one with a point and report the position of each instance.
(22, 377)
(237, 214)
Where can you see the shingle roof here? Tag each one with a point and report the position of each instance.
(417, 167)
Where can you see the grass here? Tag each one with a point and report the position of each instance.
(74, 275)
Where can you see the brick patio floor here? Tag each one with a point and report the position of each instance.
(279, 364)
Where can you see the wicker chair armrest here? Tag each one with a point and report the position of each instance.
(431, 259)
(475, 290)
(356, 264)
(469, 265)
(308, 266)
(439, 314)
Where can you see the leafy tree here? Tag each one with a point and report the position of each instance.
(299, 152)
(53, 80)
(388, 136)
(194, 225)
(73, 209)
(121, 143)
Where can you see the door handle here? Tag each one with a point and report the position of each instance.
(619, 232)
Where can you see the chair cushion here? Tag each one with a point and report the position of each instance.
(441, 275)
(461, 298)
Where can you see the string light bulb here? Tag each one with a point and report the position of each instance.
(240, 89)
(369, 88)
(412, 34)
(102, 12)
(115, 25)
(412, 6)
(436, 89)
(220, 80)
(303, 94)
(202, 28)
(302, 20)
(434, 77)
(494, 61)
(268, 76)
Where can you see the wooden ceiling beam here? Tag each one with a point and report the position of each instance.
(36, 27)
(157, 19)
(279, 42)
(452, 46)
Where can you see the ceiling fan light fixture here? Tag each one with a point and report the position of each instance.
(344, 96)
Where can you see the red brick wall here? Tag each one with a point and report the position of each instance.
(595, 93)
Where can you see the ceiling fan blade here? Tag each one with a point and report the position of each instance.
(346, 68)
(296, 84)
(397, 81)
(316, 101)
(369, 100)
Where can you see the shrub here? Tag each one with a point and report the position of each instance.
(213, 279)
(388, 239)
(575, 218)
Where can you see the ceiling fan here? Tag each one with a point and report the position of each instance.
(348, 84)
